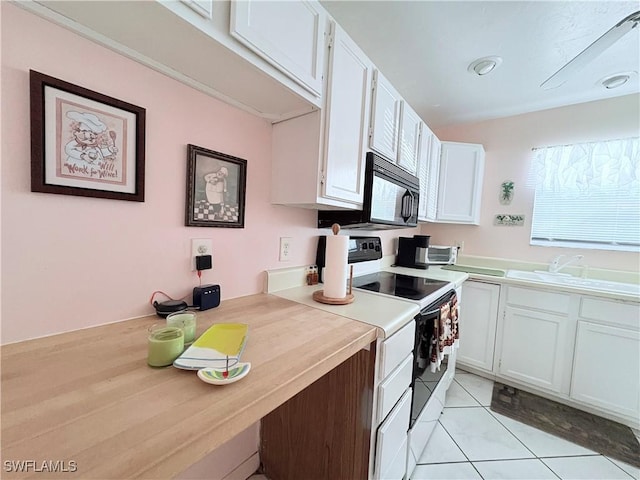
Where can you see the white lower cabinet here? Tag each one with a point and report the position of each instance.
(533, 348)
(536, 338)
(608, 349)
(392, 404)
(479, 324)
(392, 441)
(578, 349)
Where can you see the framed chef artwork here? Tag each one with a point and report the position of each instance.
(216, 187)
(85, 143)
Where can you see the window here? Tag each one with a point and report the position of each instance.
(588, 195)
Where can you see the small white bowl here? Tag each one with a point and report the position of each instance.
(215, 376)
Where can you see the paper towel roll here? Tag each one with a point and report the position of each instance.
(335, 270)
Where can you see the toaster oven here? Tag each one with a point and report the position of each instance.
(439, 255)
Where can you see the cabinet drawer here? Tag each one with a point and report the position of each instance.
(392, 435)
(393, 387)
(395, 349)
(605, 311)
(538, 299)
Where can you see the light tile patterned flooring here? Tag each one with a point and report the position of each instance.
(472, 442)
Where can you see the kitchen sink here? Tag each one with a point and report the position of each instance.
(571, 281)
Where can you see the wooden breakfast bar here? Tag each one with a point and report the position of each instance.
(88, 396)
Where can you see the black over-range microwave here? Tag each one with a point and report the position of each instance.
(391, 197)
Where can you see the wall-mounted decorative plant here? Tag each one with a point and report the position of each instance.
(506, 192)
(509, 220)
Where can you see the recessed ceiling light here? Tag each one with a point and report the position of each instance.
(484, 65)
(615, 81)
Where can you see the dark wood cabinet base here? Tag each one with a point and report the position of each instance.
(324, 431)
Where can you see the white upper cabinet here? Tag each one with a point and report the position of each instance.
(460, 183)
(347, 110)
(428, 170)
(395, 126)
(289, 35)
(424, 153)
(191, 42)
(319, 158)
(385, 118)
(409, 139)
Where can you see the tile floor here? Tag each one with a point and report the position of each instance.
(472, 442)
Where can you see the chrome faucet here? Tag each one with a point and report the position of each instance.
(555, 266)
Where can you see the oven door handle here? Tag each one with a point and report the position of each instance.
(428, 314)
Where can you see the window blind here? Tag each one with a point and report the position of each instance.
(588, 195)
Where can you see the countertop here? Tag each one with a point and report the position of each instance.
(383, 311)
(554, 287)
(89, 396)
(386, 313)
(476, 264)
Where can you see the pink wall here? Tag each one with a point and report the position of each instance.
(508, 143)
(75, 262)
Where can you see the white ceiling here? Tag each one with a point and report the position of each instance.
(425, 47)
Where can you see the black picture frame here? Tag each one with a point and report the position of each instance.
(216, 189)
(85, 143)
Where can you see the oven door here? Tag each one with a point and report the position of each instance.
(426, 379)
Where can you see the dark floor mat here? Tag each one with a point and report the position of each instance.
(590, 431)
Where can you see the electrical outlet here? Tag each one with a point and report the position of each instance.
(200, 246)
(285, 249)
(460, 245)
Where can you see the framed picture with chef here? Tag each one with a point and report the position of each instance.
(85, 143)
(216, 186)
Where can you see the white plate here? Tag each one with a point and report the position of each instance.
(214, 376)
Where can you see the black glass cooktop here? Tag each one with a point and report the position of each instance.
(405, 286)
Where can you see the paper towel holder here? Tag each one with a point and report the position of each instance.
(318, 295)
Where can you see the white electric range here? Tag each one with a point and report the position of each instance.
(390, 298)
(434, 291)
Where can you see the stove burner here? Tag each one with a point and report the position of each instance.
(405, 286)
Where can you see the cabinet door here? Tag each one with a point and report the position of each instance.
(289, 35)
(202, 7)
(534, 346)
(409, 139)
(433, 179)
(385, 118)
(460, 183)
(424, 164)
(606, 368)
(392, 438)
(346, 123)
(478, 320)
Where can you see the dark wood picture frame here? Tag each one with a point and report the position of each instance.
(85, 143)
(216, 189)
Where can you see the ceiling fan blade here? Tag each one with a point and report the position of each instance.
(592, 51)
